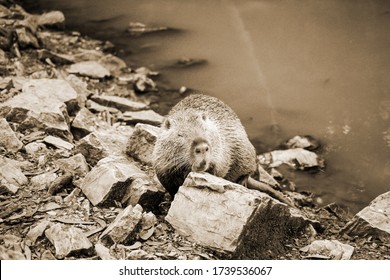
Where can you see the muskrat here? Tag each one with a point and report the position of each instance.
(202, 134)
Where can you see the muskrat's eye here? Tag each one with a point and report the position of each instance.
(207, 149)
(197, 151)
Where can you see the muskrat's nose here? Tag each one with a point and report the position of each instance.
(202, 148)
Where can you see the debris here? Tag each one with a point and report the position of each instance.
(58, 142)
(103, 252)
(11, 177)
(60, 183)
(138, 29)
(146, 116)
(305, 142)
(90, 69)
(76, 165)
(36, 232)
(120, 103)
(329, 249)
(8, 139)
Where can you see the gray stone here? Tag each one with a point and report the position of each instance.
(36, 231)
(42, 104)
(26, 38)
(58, 142)
(76, 165)
(125, 227)
(8, 139)
(68, 240)
(52, 18)
(11, 177)
(103, 143)
(34, 148)
(10, 254)
(97, 108)
(329, 249)
(86, 122)
(141, 143)
(90, 69)
(43, 181)
(230, 218)
(146, 116)
(121, 103)
(373, 220)
(109, 181)
(113, 64)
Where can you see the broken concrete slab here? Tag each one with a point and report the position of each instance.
(42, 104)
(373, 220)
(232, 219)
(125, 227)
(120, 103)
(103, 143)
(141, 143)
(146, 116)
(92, 69)
(109, 180)
(8, 140)
(68, 240)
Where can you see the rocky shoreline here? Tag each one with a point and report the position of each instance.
(78, 128)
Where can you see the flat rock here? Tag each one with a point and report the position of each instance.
(113, 64)
(42, 104)
(204, 204)
(36, 231)
(297, 158)
(11, 176)
(76, 165)
(8, 139)
(121, 103)
(90, 69)
(109, 180)
(55, 57)
(373, 220)
(146, 116)
(329, 249)
(68, 240)
(86, 122)
(58, 142)
(141, 143)
(103, 252)
(35, 148)
(10, 254)
(103, 143)
(97, 108)
(43, 181)
(52, 18)
(125, 226)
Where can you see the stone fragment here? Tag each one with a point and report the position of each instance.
(10, 254)
(103, 252)
(8, 139)
(56, 58)
(58, 142)
(103, 143)
(97, 108)
(141, 143)
(330, 249)
(138, 28)
(121, 103)
(148, 223)
(146, 116)
(204, 204)
(26, 38)
(86, 122)
(34, 148)
(42, 104)
(77, 165)
(304, 142)
(90, 69)
(11, 177)
(297, 158)
(36, 231)
(47, 255)
(113, 64)
(68, 240)
(43, 181)
(109, 180)
(125, 227)
(373, 220)
(52, 18)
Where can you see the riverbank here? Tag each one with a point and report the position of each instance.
(68, 109)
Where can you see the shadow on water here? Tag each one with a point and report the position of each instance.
(306, 67)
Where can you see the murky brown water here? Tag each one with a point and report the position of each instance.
(303, 67)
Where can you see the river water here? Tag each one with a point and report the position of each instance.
(300, 67)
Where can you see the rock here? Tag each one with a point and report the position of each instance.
(4, 12)
(52, 19)
(329, 249)
(68, 240)
(36, 231)
(47, 255)
(60, 183)
(42, 104)
(373, 220)
(148, 223)
(43, 181)
(113, 64)
(10, 254)
(138, 255)
(138, 29)
(58, 142)
(144, 192)
(103, 252)
(77, 165)
(258, 225)
(35, 148)
(121, 103)
(90, 69)
(146, 116)
(141, 143)
(97, 108)
(26, 38)
(86, 122)
(266, 178)
(55, 57)
(297, 158)
(125, 227)
(103, 143)
(109, 180)
(11, 177)
(8, 139)
(186, 62)
(304, 142)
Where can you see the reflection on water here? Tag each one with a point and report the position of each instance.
(306, 67)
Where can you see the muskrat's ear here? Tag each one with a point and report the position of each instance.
(166, 124)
